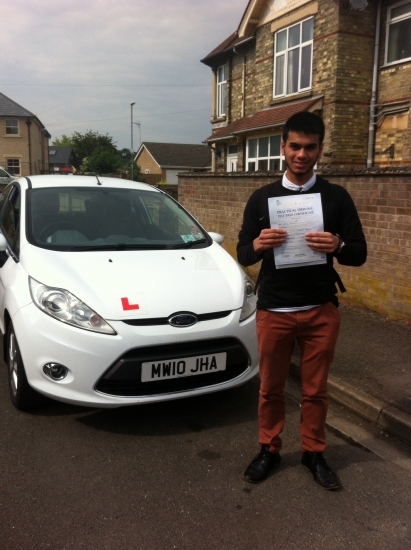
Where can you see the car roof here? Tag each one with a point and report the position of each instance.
(84, 181)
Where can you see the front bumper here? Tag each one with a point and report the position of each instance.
(104, 371)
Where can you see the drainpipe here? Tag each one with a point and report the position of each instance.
(243, 83)
(28, 122)
(371, 128)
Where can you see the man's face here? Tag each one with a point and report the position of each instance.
(301, 152)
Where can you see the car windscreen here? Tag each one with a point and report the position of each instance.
(84, 219)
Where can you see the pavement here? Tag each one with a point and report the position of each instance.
(371, 371)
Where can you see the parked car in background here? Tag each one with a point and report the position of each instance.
(112, 294)
(5, 177)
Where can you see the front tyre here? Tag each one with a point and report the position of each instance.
(21, 393)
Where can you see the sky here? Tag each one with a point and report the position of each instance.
(78, 64)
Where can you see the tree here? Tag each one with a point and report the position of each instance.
(104, 160)
(86, 144)
(125, 155)
(94, 152)
(64, 141)
(137, 175)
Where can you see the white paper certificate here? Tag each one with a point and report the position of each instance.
(298, 215)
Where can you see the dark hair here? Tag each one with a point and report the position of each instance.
(305, 122)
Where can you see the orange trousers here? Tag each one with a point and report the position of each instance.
(316, 332)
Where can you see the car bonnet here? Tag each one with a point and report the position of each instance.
(142, 284)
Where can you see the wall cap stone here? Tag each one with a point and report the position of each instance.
(321, 172)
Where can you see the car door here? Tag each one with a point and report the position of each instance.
(10, 228)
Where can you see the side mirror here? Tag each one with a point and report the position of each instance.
(3, 243)
(219, 239)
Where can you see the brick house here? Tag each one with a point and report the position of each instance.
(23, 140)
(347, 60)
(166, 160)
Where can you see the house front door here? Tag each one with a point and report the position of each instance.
(232, 163)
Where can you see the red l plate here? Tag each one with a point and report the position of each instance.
(127, 306)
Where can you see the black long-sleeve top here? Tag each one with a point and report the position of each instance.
(306, 285)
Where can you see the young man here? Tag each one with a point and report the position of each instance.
(298, 303)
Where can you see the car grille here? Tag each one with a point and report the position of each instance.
(164, 320)
(123, 378)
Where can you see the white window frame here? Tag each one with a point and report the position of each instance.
(285, 53)
(221, 92)
(232, 158)
(392, 21)
(11, 169)
(262, 158)
(12, 124)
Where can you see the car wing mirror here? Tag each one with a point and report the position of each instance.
(3, 243)
(219, 239)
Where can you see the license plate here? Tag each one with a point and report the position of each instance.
(186, 366)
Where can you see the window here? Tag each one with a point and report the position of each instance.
(66, 218)
(264, 153)
(221, 90)
(12, 127)
(10, 217)
(399, 32)
(293, 56)
(13, 166)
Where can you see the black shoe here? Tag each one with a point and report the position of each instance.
(262, 465)
(322, 473)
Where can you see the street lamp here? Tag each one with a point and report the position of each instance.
(131, 150)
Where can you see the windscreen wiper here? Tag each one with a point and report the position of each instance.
(189, 244)
(118, 247)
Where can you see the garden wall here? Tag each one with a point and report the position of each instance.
(383, 200)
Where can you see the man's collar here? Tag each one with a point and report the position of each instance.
(300, 188)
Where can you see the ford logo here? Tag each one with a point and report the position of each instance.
(183, 320)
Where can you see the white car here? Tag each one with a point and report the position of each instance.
(111, 294)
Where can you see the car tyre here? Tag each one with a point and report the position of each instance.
(22, 394)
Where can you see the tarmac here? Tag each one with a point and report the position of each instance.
(371, 371)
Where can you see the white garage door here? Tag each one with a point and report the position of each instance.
(171, 176)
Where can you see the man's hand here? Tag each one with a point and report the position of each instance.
(269, 238)
(322, 242)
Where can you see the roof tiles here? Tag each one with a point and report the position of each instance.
(8, 107)
(267, 118)
(179, 155)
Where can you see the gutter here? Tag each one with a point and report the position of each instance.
(247, 130)
(210, 59)
(372, 124)
(383, 114)
(259, 128)
(28, 122)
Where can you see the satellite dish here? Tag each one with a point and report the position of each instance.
(358, 5)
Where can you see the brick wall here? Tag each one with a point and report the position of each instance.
(146, 162)
(383, 200)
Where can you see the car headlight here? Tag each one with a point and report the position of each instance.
(250, 300)
(65, 307)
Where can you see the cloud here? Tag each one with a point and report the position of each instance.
(78, 64)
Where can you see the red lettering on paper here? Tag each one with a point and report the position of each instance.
(127, 306)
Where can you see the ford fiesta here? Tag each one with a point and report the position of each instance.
(111, 294)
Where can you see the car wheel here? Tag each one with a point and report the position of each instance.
(22, 394)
